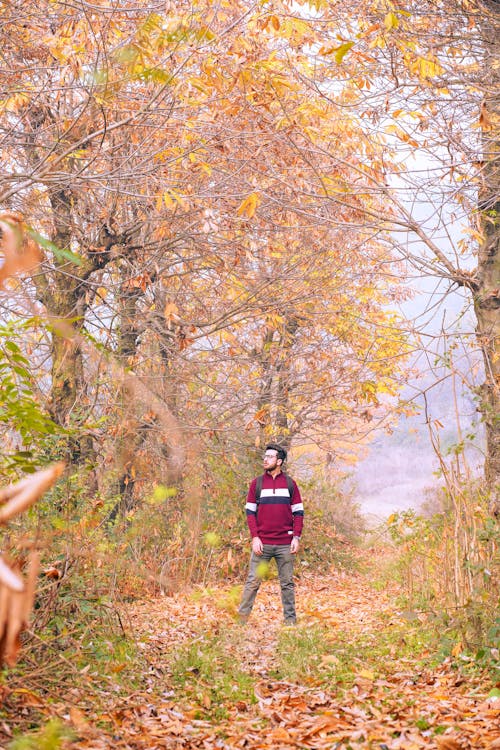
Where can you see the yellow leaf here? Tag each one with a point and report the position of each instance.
(249, 205)
(212, 539)
(342, 51)
(15, 102)
(379, 41)
(391, 21)
(167, 199)
(428, 68)
(367, 674)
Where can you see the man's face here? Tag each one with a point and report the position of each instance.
(271, 460)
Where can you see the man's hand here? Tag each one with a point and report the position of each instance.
(257, 546)
(294, 547)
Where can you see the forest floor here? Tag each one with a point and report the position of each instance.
(356, 672)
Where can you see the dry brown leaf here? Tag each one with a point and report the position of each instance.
(28, 697)
(9, 579)
(19, 251)
(297, 715)
(448, 743)
(77, 718)
(207, 701)
(22, 495)
(279, 734)
(10, 642)
(30, 589)
(324, 724)
(52, 572)
(16, 595)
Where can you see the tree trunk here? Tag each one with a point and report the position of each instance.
(136, 433)
(487, 294)
(66, 304)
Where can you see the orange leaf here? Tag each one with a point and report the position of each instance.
(280, 734)
(19, 251)
(77, 718)
(448, 743)
(249, 205)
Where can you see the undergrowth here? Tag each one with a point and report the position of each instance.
(447, 564)
(335, 659)
(52, 736)
(204, 673)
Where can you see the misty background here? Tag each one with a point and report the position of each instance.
(400, 469)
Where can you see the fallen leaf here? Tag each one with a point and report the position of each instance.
(448, 743)
(367, 674)
(77, 718)
(329, 659)
(280, 734)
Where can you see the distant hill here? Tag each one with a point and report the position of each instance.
(401, 466)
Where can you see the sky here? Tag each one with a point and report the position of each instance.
(401, 469)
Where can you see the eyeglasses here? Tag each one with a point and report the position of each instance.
(269, 456)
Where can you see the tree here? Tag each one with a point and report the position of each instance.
(425, 75)
(187, 184)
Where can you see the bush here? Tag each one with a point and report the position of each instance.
(449, 564)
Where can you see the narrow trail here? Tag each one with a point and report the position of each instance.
(389, 704)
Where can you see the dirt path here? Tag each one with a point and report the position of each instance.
(356, 684)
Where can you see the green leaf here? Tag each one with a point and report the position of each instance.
(59, 253)
(19, 359)
(156, 75)
(342, 51)
(212, 539)
(22, 372)
(127, 54)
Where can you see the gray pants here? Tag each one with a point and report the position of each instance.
(284, 561)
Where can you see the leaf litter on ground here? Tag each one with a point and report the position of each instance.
(352, 674)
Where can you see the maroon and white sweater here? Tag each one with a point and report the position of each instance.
(277, 518)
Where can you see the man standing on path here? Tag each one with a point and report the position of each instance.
(275, 516)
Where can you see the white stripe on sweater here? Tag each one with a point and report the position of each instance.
(280, 492)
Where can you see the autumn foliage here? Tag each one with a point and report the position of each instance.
(212, 218)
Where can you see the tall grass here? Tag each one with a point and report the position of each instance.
(449, 561)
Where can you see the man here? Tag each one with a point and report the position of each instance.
(275, 522)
